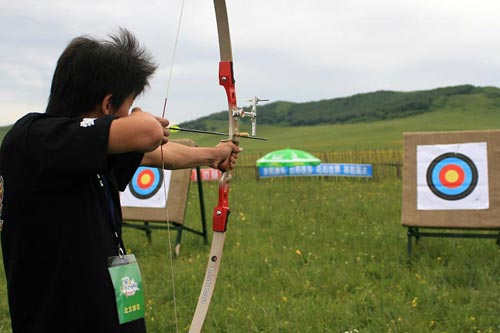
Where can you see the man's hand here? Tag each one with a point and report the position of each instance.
(137, 112)
(139, 131)
(227, 153)
(166, 131)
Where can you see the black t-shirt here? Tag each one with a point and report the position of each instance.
(57, 234)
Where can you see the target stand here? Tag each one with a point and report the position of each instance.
(451, 185)
(147, 206)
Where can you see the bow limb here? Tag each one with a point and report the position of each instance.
(221, 211)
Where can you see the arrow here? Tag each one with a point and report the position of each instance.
(244, 135)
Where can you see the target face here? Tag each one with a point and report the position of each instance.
(146, 182)
(452, 176)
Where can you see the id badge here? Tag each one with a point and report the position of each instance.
(127, 283)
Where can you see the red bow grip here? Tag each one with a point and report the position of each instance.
(221, 211)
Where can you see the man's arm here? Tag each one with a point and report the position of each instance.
(143, 132)
(177, 156)
(140, 131)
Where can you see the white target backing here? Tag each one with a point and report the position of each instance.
(452, 177)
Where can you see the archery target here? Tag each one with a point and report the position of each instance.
(452, 176)
(146, 189)
(146, 182)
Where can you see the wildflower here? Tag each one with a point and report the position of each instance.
(414, 302)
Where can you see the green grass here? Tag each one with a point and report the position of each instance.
(318, 256)
(300, 258)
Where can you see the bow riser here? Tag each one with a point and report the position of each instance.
(226, 80)
(221, 211)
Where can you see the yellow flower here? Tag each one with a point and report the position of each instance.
(414, 302)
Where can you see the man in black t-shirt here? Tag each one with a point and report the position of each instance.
(62, 171)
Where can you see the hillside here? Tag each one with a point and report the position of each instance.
(3, 131)
(474, 111)
(380, 105)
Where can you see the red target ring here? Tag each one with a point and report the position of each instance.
(146, 182)
(145, 178)
(452, 176)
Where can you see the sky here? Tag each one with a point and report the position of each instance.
(283, 50)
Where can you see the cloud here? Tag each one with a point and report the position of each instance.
(283, 50)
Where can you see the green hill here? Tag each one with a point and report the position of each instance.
(477, 109)
(3, 131)
(380, 105)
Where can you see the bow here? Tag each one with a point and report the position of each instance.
(221, 211)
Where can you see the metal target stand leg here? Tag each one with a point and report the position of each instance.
(417, 234)
(412, 232)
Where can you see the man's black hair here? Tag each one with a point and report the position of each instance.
(90, 69)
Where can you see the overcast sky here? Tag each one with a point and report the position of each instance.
(294, 50)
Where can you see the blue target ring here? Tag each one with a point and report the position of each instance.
(452, 176)
(146, 182)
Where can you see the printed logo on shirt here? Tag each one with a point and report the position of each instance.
(129, 286)
(1, 201)
(87, 122)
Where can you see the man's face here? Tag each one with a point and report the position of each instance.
(124, 109)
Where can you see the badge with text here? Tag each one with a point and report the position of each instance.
(127, 283)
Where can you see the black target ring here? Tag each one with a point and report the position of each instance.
(464, 181)
(146, 182)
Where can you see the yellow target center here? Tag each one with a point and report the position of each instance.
(451, 176)
(145, 179)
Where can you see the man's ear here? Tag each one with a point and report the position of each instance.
(106, 105)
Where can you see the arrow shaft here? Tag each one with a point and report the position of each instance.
(198, 131)
(243, 135)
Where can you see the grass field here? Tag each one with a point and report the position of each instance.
(319, 256)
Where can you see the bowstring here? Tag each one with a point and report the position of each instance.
(163, 165)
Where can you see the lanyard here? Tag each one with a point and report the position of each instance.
(1, 201)
(111, 212)
(123, 269)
